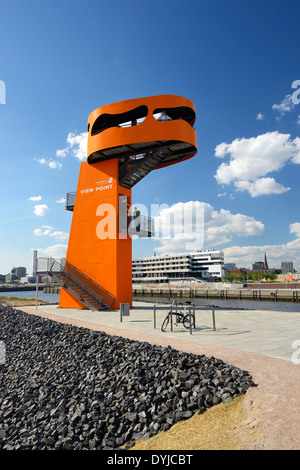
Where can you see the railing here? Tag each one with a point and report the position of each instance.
(70, 200)
(142, 226)
(83, 280)
(45, 265)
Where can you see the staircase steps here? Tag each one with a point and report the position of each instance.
(91, 294)
(142, 168)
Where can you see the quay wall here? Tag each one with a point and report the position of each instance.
(187, 293)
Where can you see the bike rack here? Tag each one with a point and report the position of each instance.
(190, 306)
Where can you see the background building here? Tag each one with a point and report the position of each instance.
(27, 279)
(207, 264)
(287, 267)
(229, 266)
(258, 265)
(10, 277)
(20, 272)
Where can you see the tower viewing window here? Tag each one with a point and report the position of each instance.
(129, 118)
(181, 112)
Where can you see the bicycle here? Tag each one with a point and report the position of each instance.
(185, 316)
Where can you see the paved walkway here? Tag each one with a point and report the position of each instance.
(270, 333)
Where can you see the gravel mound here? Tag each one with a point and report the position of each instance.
(65, 387)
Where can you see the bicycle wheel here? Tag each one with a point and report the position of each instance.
(165, 323)
(186, 321)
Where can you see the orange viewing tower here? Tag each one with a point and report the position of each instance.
(126, 141)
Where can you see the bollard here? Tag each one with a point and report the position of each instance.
(124, 311)
(154, 316)
(213, 316)
(37, 293)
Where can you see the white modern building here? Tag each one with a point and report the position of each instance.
(207, 264)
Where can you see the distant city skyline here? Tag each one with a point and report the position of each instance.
(238, 63)
(287, 267)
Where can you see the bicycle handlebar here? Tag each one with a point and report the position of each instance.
(188, 302)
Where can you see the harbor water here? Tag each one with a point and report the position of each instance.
(52, 298)
(232, 304)
(218, 303)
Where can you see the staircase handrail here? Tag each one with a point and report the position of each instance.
(78, 276)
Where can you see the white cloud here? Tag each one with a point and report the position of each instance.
(46, 230)
(41, 209)
(295, 228)
(245, 256)
(50, 163)
(61, 153)
(260, 117)
(77, 143)
(218, 227)
(253, 158)
(262, 186)
(38, 232)
(54, 251)
(59, 235)
(35, 198)
(62, 200)
(53, 164)
(221, 150)
(285, 106)
(298, 122)
(296, 153)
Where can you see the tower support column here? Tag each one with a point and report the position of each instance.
(95, 245)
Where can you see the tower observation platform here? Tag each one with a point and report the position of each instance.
(144, 134)
(126, 141)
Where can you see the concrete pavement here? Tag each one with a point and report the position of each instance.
(270, 333)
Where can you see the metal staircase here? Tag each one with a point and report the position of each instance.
(80, 285)
(141, 168)
(137, 165)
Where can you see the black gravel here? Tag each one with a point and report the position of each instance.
(65, 387)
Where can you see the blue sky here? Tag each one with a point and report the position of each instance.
(236, 60)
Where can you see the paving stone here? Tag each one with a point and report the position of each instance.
(66, 387)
